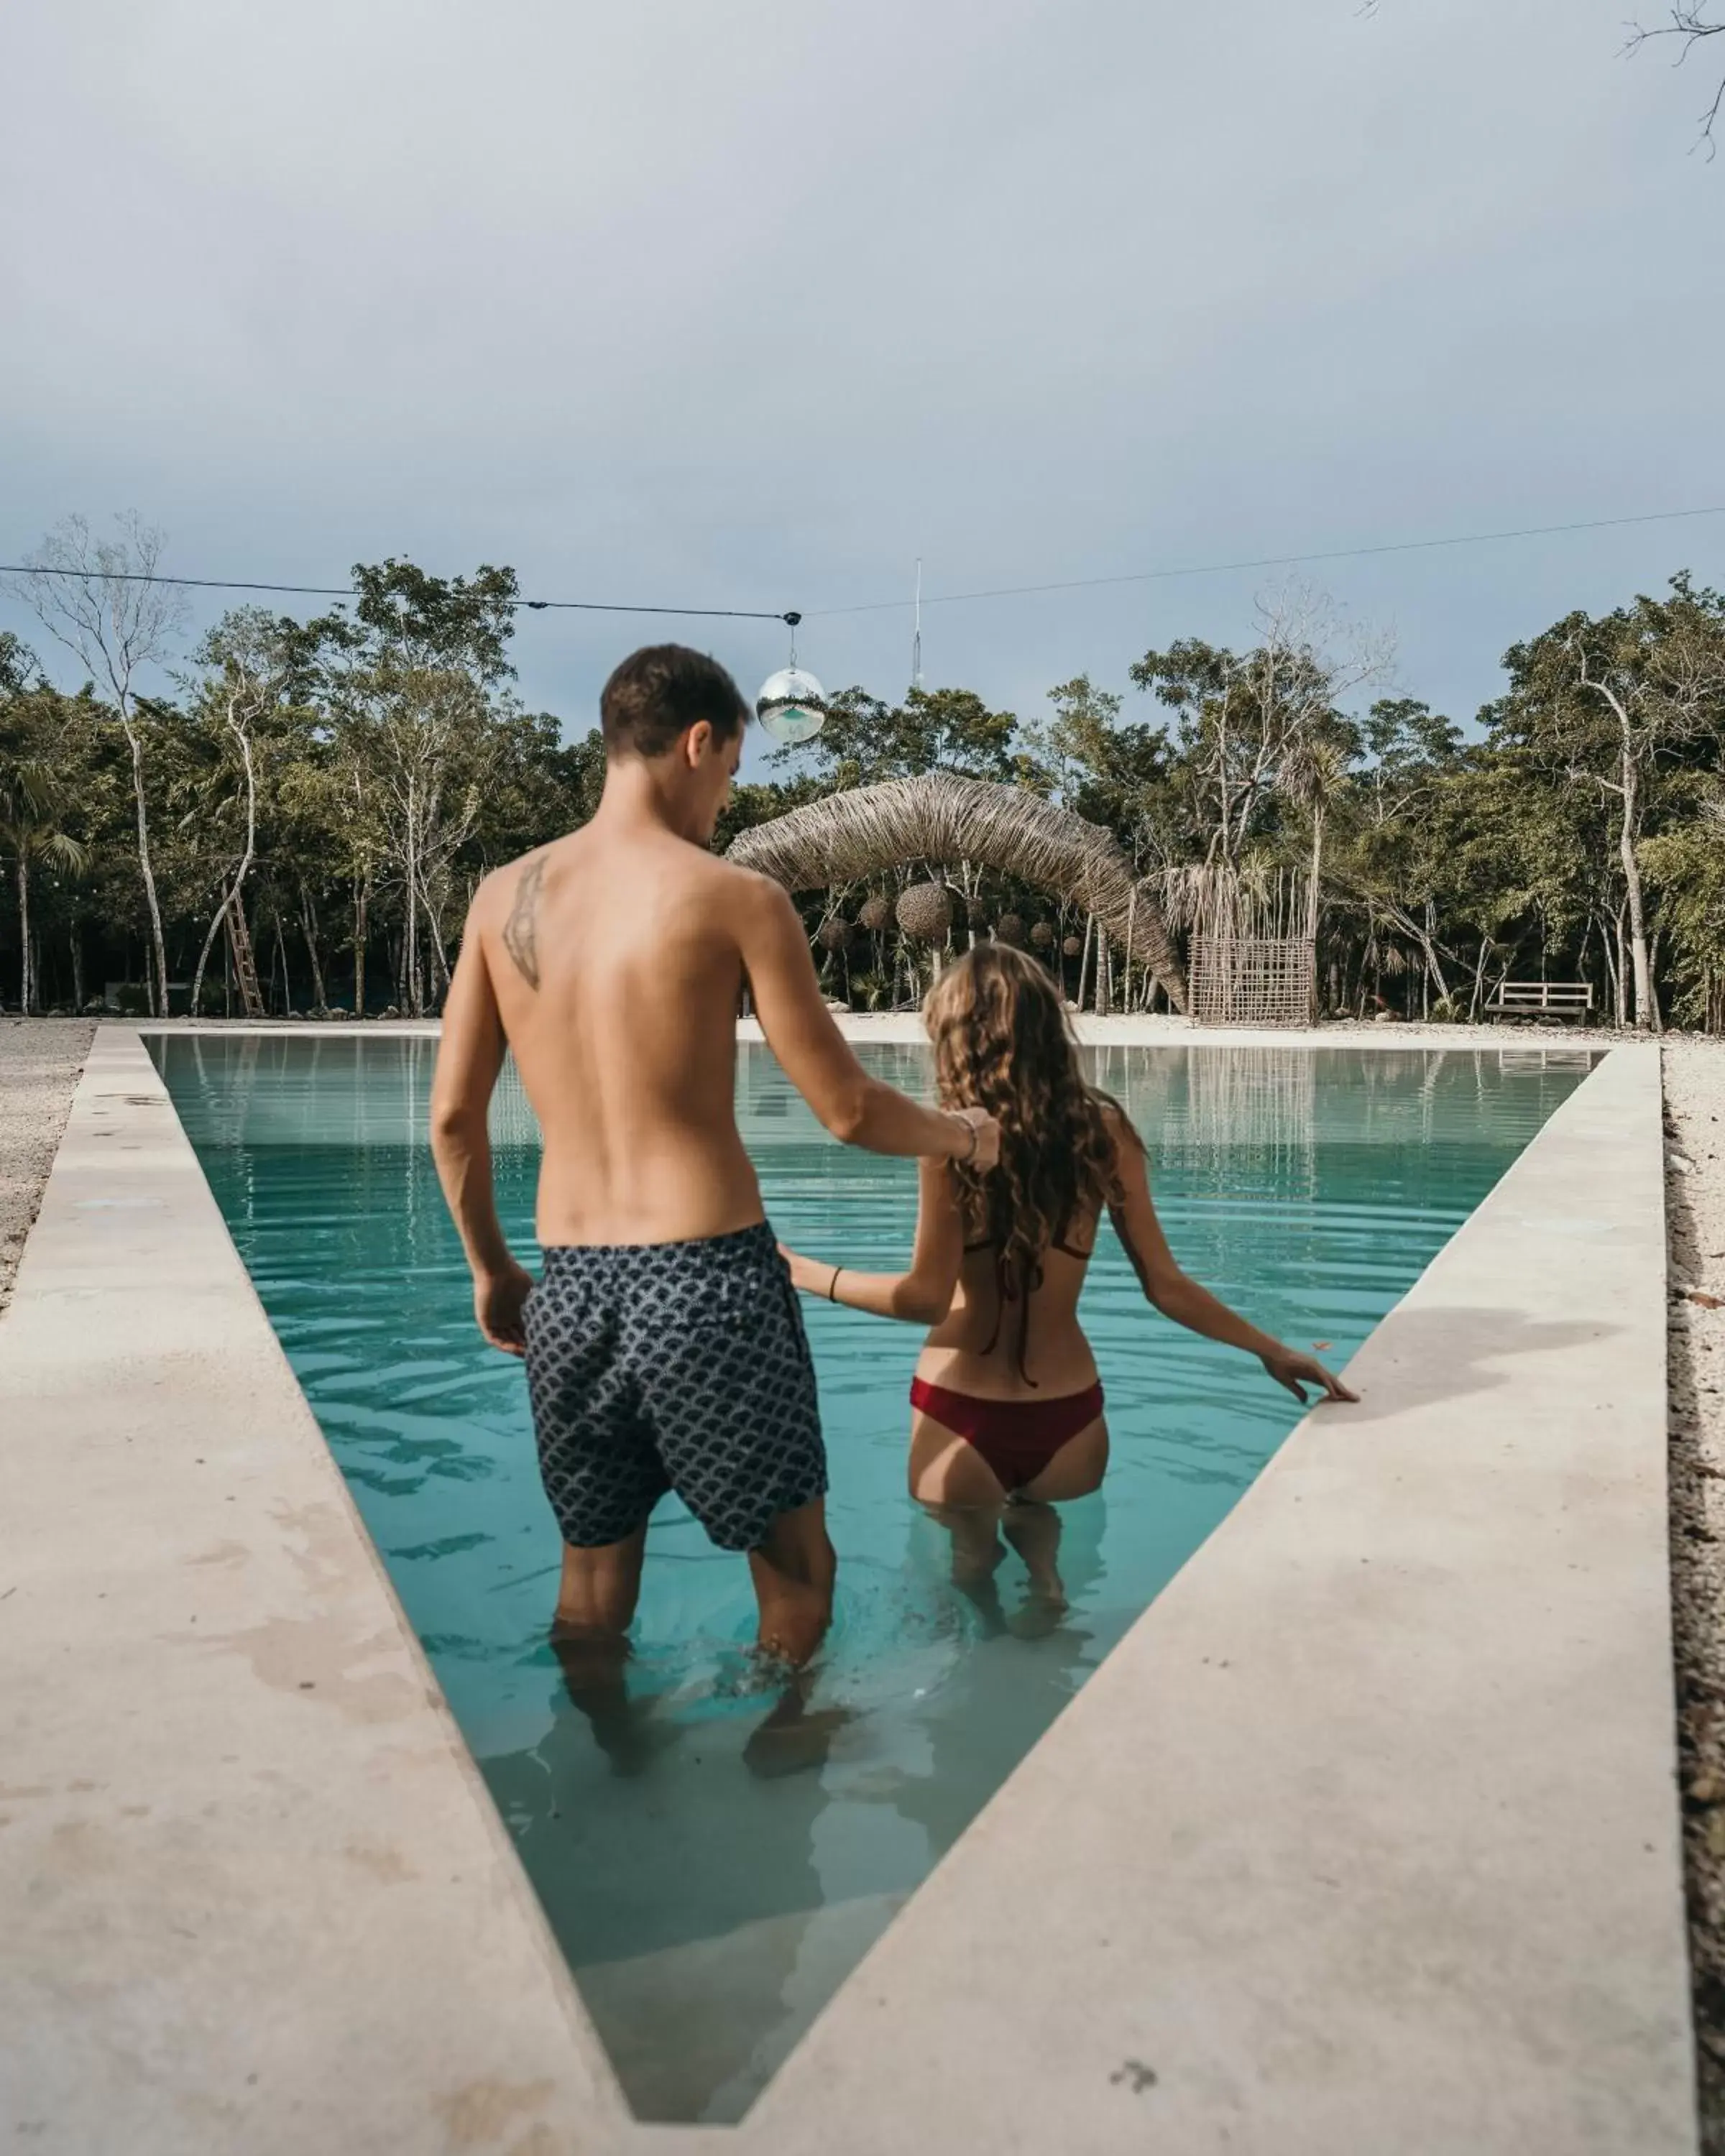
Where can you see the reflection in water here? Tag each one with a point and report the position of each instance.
(1010, 1685)
(714, 1852)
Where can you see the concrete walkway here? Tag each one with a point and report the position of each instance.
(1365, 1839)
(254, 1896)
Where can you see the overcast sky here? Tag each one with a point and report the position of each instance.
(750, 302)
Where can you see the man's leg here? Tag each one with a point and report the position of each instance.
(589, 1636)
(793, 1568)
(599, 1588)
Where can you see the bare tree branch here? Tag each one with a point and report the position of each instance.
(1692, 21)
(94, 596)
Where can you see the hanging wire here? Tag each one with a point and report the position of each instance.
(1271, 561)
(940, 599)
(348, 592)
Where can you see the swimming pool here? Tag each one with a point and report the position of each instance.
(710, 1900)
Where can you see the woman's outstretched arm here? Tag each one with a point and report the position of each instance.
(1181, 1298)
(920, 1296)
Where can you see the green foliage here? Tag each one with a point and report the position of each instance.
(346, 781)
(1685, 864)
(865, 741)
(19, 666)
(419, 621)
(1102, 769)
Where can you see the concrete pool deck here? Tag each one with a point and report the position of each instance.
(1365, 1837)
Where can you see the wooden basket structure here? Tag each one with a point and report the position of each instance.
(1253, 980)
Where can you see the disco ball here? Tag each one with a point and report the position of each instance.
(792, 706)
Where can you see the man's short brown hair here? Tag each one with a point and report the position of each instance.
(661, 690)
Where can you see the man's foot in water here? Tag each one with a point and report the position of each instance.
(794, 1736)
(628, 1731)
(634, 1738)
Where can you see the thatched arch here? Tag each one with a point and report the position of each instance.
(942, 819)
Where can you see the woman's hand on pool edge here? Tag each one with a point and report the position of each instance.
(499, 1299)
(1289, 1367)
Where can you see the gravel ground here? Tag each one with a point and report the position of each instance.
(1695, 1211)
(39, 1062)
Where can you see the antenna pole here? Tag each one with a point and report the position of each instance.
(917, 635)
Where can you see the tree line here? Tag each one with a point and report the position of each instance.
(297, 823)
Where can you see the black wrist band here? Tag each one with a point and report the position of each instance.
(833, 1283)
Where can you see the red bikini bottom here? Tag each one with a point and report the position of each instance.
(1016, 1438)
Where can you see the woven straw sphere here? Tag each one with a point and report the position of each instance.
(1009, 928)
(832, 935)
(925, 911)
(1073, 948)
(1042, 935)
(876, 915)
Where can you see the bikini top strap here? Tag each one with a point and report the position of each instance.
(1006, 1291)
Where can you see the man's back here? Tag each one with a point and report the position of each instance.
(614, 957)
(665, 1350)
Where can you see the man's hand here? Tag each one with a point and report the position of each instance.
(985, 1152)
(498, 1300)
(1296, 1371)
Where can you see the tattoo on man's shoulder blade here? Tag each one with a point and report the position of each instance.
(520, 931)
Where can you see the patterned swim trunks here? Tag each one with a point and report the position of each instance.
(655, 1367)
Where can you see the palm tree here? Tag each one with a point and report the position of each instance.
(31, 799)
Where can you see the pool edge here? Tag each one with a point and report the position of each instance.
(1048, 1987)
(1367, 1835)
(257, 1895)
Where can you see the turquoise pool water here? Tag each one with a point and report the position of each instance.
(709, 1898)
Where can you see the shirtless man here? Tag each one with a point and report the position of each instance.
(664, 1346)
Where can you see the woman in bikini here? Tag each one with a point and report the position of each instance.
(1006, 1406)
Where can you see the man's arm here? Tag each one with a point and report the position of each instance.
(817, 1059)
(469, 1058)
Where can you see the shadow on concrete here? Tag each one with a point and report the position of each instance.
(1427, 1354)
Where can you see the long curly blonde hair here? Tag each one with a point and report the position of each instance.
(1002, 1042)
